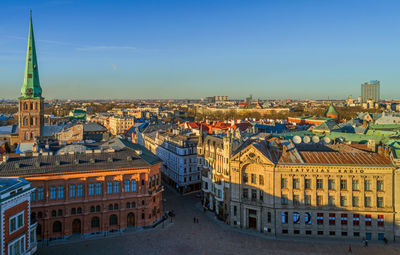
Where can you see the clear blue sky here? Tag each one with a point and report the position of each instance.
(194, 49)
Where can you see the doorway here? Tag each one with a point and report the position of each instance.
(252, 222)
(76, 226)
(131, 219)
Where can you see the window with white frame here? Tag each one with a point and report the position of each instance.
(53, 192)
(98, 188)
(126, 186)
(17, 246)
(91, 189)
(72, 190)
(32, 236)
(133, 185)
(116, 186)
(60, 192)
(79, 191)
(40, 194)
(16, 222)
(109, 187)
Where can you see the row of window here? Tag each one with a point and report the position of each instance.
(74, 211)
(25, 106)
(331, 201)
(368, 235)
(253, 179)
(76, 190)
(343, 219)
(355, 185)
(253, 194)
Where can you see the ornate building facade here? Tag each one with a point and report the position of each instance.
(214, 154)
(315, 190)
(91, 192)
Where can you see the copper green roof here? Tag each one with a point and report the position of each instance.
(31, 87)
(331, 110)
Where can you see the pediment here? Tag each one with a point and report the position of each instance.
(252, 155)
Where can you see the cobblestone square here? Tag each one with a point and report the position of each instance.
(209, 236)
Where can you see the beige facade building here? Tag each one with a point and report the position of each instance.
(214, 154)
(119, 123)
(315, 190)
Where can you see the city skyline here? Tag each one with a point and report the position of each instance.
(270, 50)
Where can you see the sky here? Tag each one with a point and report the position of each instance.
(149, 49)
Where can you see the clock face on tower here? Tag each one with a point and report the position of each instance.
(29, 92)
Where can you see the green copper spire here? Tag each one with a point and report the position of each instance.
(31, 87)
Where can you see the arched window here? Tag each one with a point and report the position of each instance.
(32, 135)
(133, 204)
(26, 135)
(113, 219)
(79, 210)
(31, 121)
(97, 208)
(53, 213)
(73, 211)
(60, 212)
(128, 205)
(31, 106)
(25, 121)
(115, 206)
(56, 227)
(25, 106)
(95, 222)
(92, 209)
(110, 207)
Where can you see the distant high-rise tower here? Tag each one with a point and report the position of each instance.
(30, 107)
(370, 90)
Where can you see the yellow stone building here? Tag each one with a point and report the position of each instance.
(119, 123)
(341, 191)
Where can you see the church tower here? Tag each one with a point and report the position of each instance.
(30, 107)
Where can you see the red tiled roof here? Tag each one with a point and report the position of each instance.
(193, 125)
(344, 158)
(242, 126)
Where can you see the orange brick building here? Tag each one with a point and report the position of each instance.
(92, 192)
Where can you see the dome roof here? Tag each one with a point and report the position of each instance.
(331, 111)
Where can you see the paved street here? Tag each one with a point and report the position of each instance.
(207, 237)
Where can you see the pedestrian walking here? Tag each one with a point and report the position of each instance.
(194, 219)
(350, 250)
(197, 220)
(366, 243)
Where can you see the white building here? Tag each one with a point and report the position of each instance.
(178, 151)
